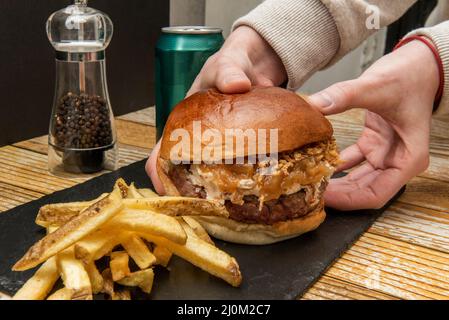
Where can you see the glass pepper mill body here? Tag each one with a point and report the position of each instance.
(82, 137)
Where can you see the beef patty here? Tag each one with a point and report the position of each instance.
(287, 207)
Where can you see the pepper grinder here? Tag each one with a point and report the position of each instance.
(82, 137)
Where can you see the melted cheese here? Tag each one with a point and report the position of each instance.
(225, 182)
(303, 169)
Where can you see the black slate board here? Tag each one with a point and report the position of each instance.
(279, 271)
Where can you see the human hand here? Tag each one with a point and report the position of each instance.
(245, 60)
(150, 168)
(398, 93)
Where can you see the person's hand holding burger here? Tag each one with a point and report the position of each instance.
(397, 92)
(245, 60)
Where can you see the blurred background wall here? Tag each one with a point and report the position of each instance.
(187, 12)
(27, 65)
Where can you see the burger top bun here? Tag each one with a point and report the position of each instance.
(297, 122)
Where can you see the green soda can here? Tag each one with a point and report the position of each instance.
(180, 54)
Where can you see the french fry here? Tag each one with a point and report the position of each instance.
(138, 251)
(198, 228)
(147, 193)
(122, 186)
(74, 275)
(108, 287)
(163, 255)
(148, 222)
(61, 294)
(78, 227)
(133, 244)
(119, 265)
(108, 283)
(60, 213)
(41, 283)
(142, 279)
(52, 229)
(79, 233)
(133, 193)
(121, 295)
(172, 206)
(4, 296)
(178, 206)
(96, 280)
(96, 245)
(203, 255)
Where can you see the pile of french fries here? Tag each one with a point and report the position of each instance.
(128, 223)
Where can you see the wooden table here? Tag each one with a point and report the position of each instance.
(404, 255)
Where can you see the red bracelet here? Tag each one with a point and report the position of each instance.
(427, 42)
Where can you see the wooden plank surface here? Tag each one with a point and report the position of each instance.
(335, 289)
(427, 193)
(135, 134)
(404, 255)
(23, 166)
(145, 116)
(425, 227)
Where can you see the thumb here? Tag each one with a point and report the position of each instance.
(232, 79)
(151, 170)
(340, 97)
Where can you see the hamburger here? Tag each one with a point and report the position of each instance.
(269, 199)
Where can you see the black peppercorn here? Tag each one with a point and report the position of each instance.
(82, 122)
(82, 131)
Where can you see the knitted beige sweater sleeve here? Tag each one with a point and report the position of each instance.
(309, 35)
(439, 35)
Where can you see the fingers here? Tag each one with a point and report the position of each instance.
(359, 93)
(362, 176)
(337, 98)
(351, 156)
(230, 78)
(370, 189)
(150, 169)
(224, 74)
(206, 78)
(196, 86)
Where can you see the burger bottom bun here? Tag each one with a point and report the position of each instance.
(259, 234)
